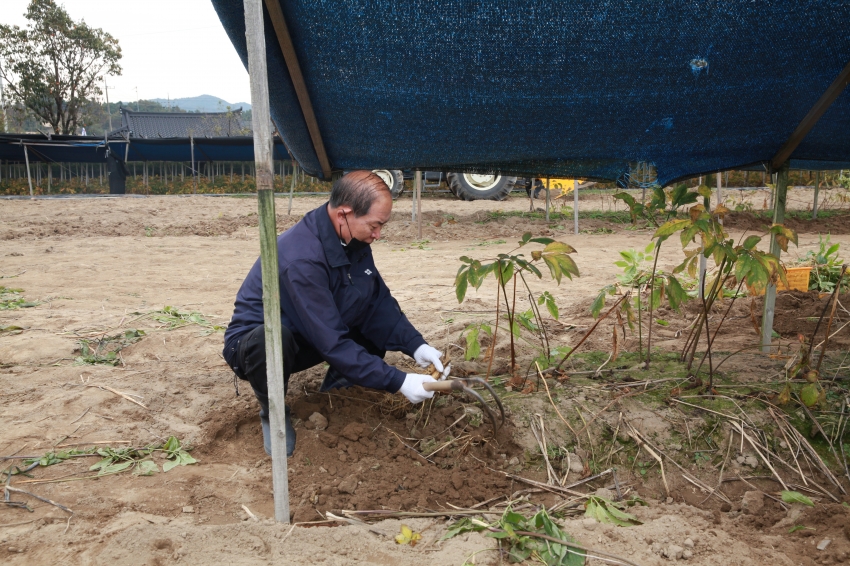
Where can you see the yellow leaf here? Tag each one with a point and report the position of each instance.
(407, 536)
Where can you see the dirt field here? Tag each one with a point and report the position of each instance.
(100, 267)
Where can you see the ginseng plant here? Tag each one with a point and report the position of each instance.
(739, 263)
(508, 267)
(663, 206)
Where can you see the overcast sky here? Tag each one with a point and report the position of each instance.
(169, 47)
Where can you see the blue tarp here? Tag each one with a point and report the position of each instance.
(583, 88)
(79, 149)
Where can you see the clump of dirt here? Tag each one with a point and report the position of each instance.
(798, 312)
(838, 223)
(361, 453)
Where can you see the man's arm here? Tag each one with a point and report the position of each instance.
(387, 327)
(308, 294)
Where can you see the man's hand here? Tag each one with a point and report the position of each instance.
(413, 390)
(425, 355)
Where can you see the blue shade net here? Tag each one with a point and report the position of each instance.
(591, 89)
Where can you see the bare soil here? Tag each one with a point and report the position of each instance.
(97, 265)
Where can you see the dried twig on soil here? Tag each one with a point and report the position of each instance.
(548, 394)
(740, 428)
(641, 441)
(557, 489)
(538, 429)
(841, 441)
(781, 503)
(810, 453)
(411, 448)
(828, 441)
(40, 498)
(81, 416)
(248, 511)
(722, 467)
(111, 390)
(18, 524)
(589, 332)
(829, 324)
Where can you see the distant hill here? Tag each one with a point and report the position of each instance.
(203, 103)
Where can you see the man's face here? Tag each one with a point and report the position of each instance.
(367, 228)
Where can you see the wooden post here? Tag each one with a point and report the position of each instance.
(29, 177)
(575, 204)
(817, 188)
(770, 292)
(264, 178)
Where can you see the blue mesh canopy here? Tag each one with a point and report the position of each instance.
(584, 88)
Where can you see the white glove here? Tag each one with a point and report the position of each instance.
(413, 390)
(426, 354)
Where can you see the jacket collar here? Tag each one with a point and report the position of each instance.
(334, 251)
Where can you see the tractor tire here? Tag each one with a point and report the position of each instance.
(394, 180)
(472, 186)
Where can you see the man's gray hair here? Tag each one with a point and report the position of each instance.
(358, 190)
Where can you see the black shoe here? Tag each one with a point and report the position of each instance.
(267, 433)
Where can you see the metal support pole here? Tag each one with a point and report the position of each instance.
(291, 187)
(770, 292)
(703, 261)
(3, 102)
(719, 188)
(817, 188)
(194, 177)
(413, 203)
(418, 190)
(575, 204)
(29, 177)
(547, 199)
(268, 251)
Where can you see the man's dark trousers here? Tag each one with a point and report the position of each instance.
(298, 355)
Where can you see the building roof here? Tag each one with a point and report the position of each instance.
(561, 88)
(183, 124)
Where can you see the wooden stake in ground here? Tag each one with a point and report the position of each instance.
(268, 251)
(770, 292)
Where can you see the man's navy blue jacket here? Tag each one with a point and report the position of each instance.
(325, 290)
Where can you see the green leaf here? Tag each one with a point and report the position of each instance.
(626, 197)
(704, 191)
(146, 468)
(559, 248)
(525, 238)
(544, 241)
(598, 304)
(461, 284)
(554, 268)
(606, 511)
(751, 242)
(473, 346)
(796, 528)
(796, 497)
(463, 526)
(671, 227)
(172, 444)
(115, 468)
(676, 295)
